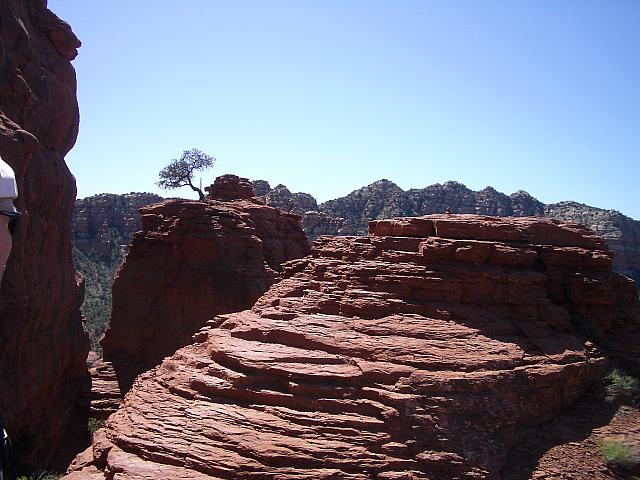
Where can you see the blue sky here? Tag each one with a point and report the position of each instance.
(328, 96)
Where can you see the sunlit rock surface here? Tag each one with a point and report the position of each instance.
(417, 352)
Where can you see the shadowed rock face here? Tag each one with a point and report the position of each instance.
(43, 345)
(418, 352)
(190, 261)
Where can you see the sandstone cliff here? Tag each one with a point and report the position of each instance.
(419, 352)
(190, 261)
(43, 346)
(105, 221)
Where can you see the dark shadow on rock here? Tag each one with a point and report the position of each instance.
(573, 425)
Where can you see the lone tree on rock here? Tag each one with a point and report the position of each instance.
(179, 173)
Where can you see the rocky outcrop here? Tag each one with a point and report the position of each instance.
(190, 261)
(621, 232)
(43, 344)
(107, 221)
(420, 351)
(314, 222)
(230, 187)
(281, 197)
(383, 199)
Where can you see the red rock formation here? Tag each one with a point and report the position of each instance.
(230, 187)
(417, 352)
(106, 220)
(190, 261)
(43, 346)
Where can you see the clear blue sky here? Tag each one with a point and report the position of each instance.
(327, 96)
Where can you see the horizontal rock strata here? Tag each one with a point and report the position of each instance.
(190, 261)
(107, 221)
(418, 352)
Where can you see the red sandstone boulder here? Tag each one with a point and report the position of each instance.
(231, 187)
(190, 261)
(44, 345)
(420, 355)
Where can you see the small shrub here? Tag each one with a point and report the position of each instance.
(621, 386)
(93, 425)
(615, 452)
(48, 476)
(41, 476)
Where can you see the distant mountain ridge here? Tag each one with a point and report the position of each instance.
(384, 199)
(104, 224)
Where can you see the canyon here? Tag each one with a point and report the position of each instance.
(405, 343)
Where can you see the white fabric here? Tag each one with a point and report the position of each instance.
(8, 187)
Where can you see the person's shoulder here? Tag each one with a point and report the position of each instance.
(8, 187)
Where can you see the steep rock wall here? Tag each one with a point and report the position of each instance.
(43, 345)
(190, 261)
(418, 352)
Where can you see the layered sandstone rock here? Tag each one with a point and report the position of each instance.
(350, 215)
(383, 199)
(102, 222)
(316, 224)
(43, 344)
(622, 233)
(418, 352)
(190, 261)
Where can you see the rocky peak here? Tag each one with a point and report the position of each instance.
(261, 187)
(194, 260)
(523, 204)
(281, 197)
(230, 187)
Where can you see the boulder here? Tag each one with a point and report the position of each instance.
(230, 187)
(419, 352)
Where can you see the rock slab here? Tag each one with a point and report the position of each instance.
(418, 352)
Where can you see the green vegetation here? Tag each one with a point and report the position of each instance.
(622, 387)
(41, 476)
(615, 451)
(179, 172)
(98, 273)
(93, 425)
